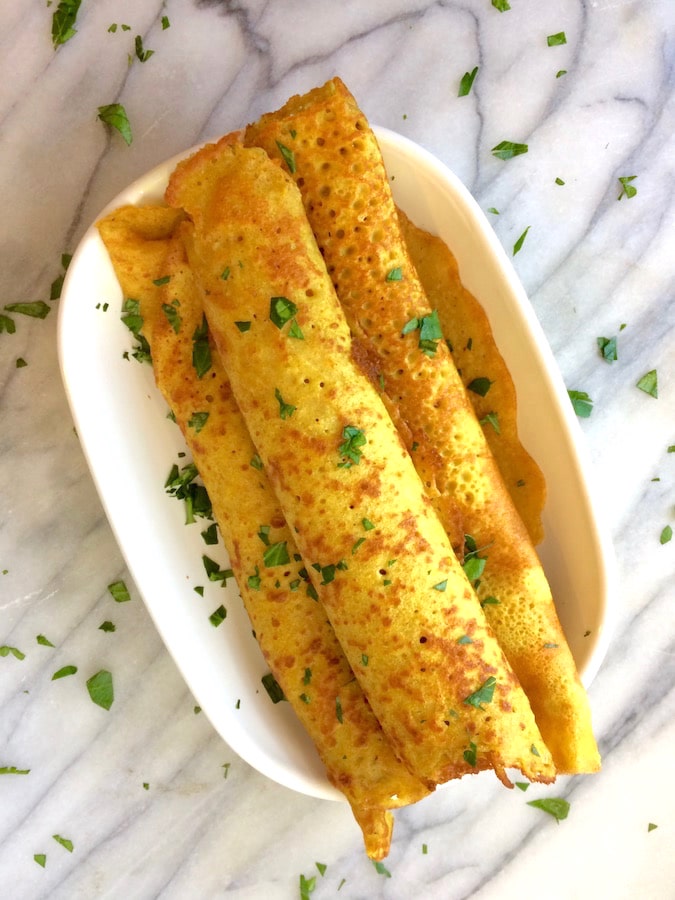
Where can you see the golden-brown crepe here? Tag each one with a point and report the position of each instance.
(324, 141)
(290, 626)
(479, 363)
(400, 604)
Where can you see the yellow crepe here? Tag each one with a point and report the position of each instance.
(290, 626)
(477, 358)
(325, 142)
(405, 615)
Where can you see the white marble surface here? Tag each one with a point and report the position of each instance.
(589, 263)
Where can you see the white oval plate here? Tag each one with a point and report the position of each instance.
(130, 446)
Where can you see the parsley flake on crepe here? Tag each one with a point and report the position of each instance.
(100, 687)
(480, 386)
(288, 157)
(115, 115)
(484, 694)
(491, 418)
(430, 332)
(286, 410)
(63, 21)
(198, 420)
(349, 450)
(201, 350)
(554, 806)
(466, 83)
(509, 149)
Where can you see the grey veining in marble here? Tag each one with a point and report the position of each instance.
(153, 800)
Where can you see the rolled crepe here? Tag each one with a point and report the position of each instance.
(290, 625)
(325, 142)
(401, 606)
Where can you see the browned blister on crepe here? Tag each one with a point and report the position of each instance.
(401, 607)
(290, 626)
(481, 367)
(327, 144)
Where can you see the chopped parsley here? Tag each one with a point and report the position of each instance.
(338, 710)
(651, 826)
(607, 348)
(395, 274)
(182, 485)
(142, 55)
(484, 694)
(307, 886)
(256, 462)
(106, 626)
(131, 317)
(201, 350)
(381, 869)
(559, 181)
(172, 315)
(64, 672)
(666, 535)
(521, 240)
(253, 581)
(288, 157)
(37, 309)
(441, 585)
(243, 326)
(273, 688)
(43, 641)
(491, 418)
(165, 23)
(65, 842)
(522, 785)
(12, 770)
(367, 525)
(14, 651)
(649, 383)
(198, 420)
(119, 592)
(286, 410)
(556, 40)
(100, 687)
(508, 149)
(63, 21)
(115, 115)
(480, 386)
(501, 5)
(214, 572)
(470, 754)
(7, 325)
(276, 555)
(282, 310)
(210, 534)
(218, 616)
(554, 806)
(628, 190)
(349, 450)
(466, 83)
(560, 73)
(40, 859)
(429, 329)
(582, 403)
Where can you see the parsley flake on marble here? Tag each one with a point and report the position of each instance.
(100, 688)
(65, 842)
(286, 410)
(273, 688)
(349, 450)
(210, 534)
(554, 806)
(651, 826)
(214, 571)
(64, 672)
(559, 181)
(63, 22)
(649, 383)
(5, 650)
(43, 641)
(556, 40)
(467, 81)
(666, 535)
(501, 5)
(522, 785)
(307, 886)
(628, 190)
(560, 73)
(582, 403)
(142, 55)
(509, 149)
(119, 592)
(521, 240)
(40, 859)
(381, 869)
(321, 868)
(607, 348)
(115, 115)
(13, 770)
(107, 626)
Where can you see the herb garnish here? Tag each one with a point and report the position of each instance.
(106, 626)
(556, 40)
(501, 5)
(100, 687)
(282, 310)
(40, 859)
(307, 886)
(582, 403)
(480, 386)
(627, 189)
(132, 318)
(395, 274)
(273, 688)
(64, 672)
(286, 410)
(214, 572)
(381, 869)
(607, 348)
(649, 384)
(466, 83)
(182, 485)
(65, 842)
(288, 156)
(666, 535)
(12, 770)
(115, 115)
(38, 309)
(63, 21)
(276, 555)
(521, 240)
(470, 754)
(172, 315)
(198, 420)
(508, 149)
(348, 450)
(554, 806)
(243, 326)
(43, 641)
(218, 616)
(484, 694)
(15, 652)
(210, 534)
(430, 332)
(201, 350)
(142, 54)
(119, 592)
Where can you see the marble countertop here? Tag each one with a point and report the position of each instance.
(153, 800)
